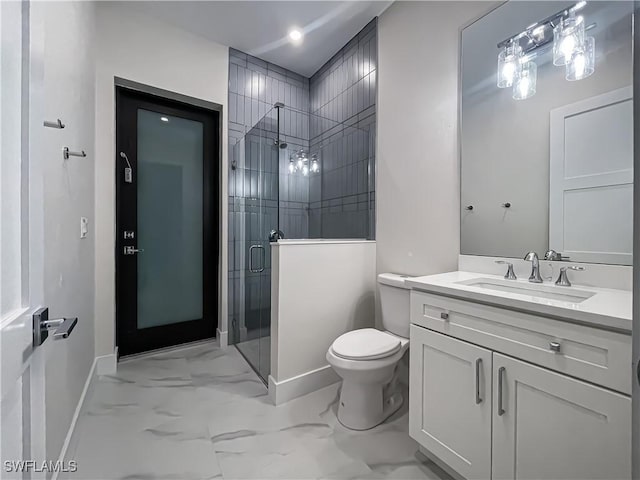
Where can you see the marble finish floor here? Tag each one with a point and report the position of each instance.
(202, 413)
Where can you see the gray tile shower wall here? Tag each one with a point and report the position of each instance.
(332, 114)
(254, 86)
(343, 92)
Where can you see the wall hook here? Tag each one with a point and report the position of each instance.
(57, 124)
(506, 205)
(469, 207)
(66, 153)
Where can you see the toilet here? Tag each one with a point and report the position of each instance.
(367, 360)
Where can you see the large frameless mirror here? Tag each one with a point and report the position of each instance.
(547, 131)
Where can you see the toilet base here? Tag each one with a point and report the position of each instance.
(364, 406)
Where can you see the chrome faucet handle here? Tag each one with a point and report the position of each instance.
(563, 279)
(535, 267)
(554, 256)
(510, 275)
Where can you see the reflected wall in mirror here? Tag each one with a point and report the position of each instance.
(547, 147)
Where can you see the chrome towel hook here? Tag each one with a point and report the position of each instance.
(57, 124)
(66, 153)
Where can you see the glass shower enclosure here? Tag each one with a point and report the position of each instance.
(293, 175)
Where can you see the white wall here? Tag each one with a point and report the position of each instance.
(320, 290)
(143, 50)
(68, 193)
(417, 193)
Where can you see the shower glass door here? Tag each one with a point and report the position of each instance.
(309, 177)
(253, 204)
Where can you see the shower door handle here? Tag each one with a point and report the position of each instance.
(251, 249)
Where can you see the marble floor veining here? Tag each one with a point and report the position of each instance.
(202, 413)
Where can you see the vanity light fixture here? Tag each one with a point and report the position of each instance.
(568, 37)
(525, 84)
(509, 64)
(571, 49)
(582, 63)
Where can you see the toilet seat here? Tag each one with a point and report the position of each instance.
(366, 344)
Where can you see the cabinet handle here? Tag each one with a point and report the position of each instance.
(444, 316)
(501, 410)
(478, 367)
(554, 347)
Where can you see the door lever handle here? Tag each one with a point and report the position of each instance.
(63, 326)
(42, 324)
(130, 250)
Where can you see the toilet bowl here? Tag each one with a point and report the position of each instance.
(367, 360)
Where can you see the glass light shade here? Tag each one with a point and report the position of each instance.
(568, 37)
(508, 64)
(292, 167)
(524, 85)
(583, 61)
(315, 168)
(305, 170)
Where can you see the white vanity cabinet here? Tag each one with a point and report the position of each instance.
(497, 394)
(450, 401)
(550, 426)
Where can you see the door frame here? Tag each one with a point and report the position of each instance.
(212, 202)
(635, 332)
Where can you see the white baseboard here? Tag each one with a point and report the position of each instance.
(281, 392)
(78, 411)
(102, 365)
(107, 364)
(223, 338)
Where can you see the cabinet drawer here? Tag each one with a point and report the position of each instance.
(598, 356)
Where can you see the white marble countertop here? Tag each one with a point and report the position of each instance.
(606, 308)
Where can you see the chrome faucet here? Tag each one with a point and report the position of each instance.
(535, 267)
(563, 280)
(554, 256)
(510, 275)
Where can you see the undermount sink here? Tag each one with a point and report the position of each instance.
(534, 290)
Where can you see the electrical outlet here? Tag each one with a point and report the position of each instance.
(84, 227)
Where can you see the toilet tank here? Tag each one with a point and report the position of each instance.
(394, 298)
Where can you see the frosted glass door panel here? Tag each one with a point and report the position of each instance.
(170, 219)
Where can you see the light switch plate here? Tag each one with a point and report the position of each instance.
(84, 227)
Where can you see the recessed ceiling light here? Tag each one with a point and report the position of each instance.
(164, 119)
(295, 35)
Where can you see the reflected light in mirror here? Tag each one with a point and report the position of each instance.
(568, 36)
(508, 62)
(525, 85)
(582, 63)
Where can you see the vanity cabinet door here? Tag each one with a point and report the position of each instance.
(450, 401)
(550, 426)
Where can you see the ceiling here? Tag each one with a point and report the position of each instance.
(261, 27)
